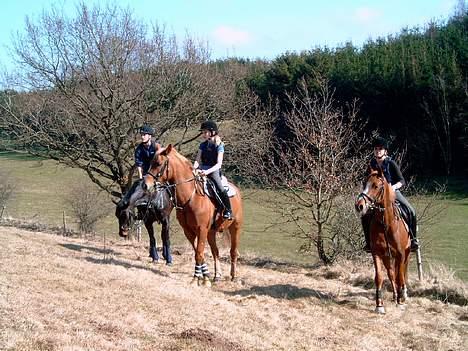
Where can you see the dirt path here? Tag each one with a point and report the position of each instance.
(61, 293)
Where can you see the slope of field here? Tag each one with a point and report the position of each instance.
(59, 293)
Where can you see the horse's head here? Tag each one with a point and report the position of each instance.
(125, 215)
(159, 170)
(373, 194)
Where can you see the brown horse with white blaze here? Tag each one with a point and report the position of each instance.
(196, 212)
(389, 238)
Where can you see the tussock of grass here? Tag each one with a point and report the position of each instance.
(440, 283)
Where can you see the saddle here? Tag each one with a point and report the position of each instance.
(210, 188)
(148, 202)
(404, 214)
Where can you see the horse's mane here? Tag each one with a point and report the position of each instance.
(181, 157)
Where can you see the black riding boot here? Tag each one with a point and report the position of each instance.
(413, 233)
(366, 228)
(227, 214)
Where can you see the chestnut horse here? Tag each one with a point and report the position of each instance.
(389, 238)
(196, 212)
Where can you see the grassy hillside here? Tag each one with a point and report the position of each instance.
(42, 187)
(63, 293)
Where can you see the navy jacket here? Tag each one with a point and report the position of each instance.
(144, 156)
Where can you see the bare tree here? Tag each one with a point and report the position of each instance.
(87, 83)
(440, 116)
(7, 188)
(317, 171)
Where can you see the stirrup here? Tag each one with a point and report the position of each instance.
(227, 215)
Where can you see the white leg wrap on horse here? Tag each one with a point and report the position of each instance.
(204, 269)
(198, 271)
(380, 310)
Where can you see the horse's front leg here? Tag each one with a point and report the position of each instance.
(201, 268)
(165, 224)
(153, 252)
(215, 253)
(378, 266)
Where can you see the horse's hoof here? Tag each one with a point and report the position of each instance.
(195, 281)
(380, 309)
(401, 306)
(206, 282)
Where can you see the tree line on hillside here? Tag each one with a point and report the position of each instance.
(299, 124)
(411, 87)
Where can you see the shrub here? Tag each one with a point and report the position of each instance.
(88, 206)
(7, 188)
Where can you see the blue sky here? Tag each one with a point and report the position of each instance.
(254, 28)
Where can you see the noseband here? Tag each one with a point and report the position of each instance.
(161, 171)
(374, 202)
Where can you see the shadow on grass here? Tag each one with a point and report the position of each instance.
(273, 264)
(121, 263)
(283, 291)
(447, 296)
(108, 258)
(76, 247)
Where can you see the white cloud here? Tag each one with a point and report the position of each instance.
(366, 14)
(231, 36)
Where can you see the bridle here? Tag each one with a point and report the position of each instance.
(165, 168)
(374, 203)
(158, 175)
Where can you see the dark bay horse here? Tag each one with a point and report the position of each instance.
(196, 212)
(389, 238)
(155, 207)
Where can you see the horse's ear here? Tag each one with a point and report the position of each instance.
(160, 150)
(168, 149)
(380, 172)
(163, 150)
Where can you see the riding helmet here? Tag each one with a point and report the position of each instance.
(380, 142)
(209, 125)
(146, 129)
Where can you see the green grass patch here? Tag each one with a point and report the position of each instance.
(43, 185)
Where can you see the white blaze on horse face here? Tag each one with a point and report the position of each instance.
(366, 189)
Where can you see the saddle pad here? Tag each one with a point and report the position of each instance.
(402, 210)
(226, 185)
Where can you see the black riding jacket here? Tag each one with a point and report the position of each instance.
(390, 170)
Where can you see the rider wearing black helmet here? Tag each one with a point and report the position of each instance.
(393, 176)
(210, 159)
(145, 151)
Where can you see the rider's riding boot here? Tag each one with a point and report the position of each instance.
(227, 214)
(414, 239)
(366, 229)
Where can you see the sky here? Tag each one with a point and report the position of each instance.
(252, 28)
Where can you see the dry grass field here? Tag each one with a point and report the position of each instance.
(63, 293)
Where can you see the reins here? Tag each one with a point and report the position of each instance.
(165, 167)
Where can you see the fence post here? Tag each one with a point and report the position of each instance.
(64, 223)
(3, 210)
(419, 263)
